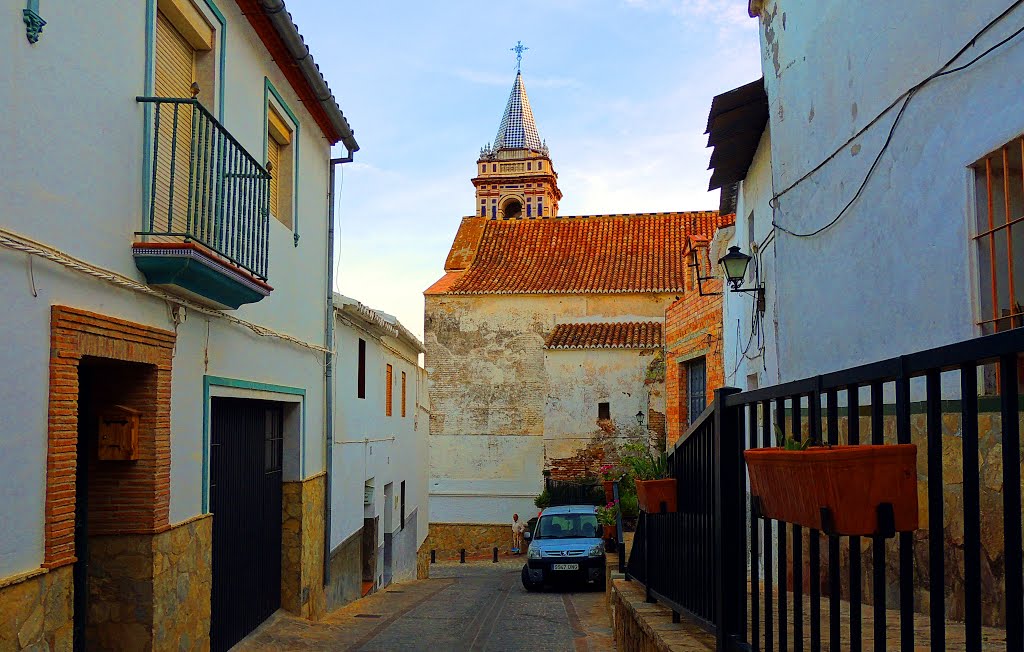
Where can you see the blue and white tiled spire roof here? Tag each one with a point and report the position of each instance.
(518, 130)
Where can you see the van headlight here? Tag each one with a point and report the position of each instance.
(598, 550)
(533, 553)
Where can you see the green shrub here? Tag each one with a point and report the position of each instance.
(629, 505)
(543, 501)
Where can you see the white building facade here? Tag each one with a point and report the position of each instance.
(379, 515)
(165, 267)
(876, 236)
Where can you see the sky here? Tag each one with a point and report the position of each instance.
(620, 90)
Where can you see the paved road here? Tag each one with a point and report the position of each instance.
(478, 607)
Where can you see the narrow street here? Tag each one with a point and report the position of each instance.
(477, 606)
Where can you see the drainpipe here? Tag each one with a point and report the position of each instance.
(329, 366)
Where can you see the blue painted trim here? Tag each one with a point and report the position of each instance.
(237, 383)
(148, 83)
(268, 89)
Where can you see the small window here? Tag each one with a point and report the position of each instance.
(529, 165)
(387, 391)
(540, 165)
(403, 405)
(483, 211)
(361, 371)
(604, 411)
(280, 165)
(696, 384)
(529, 210)
(494, 167)
(1000, 237)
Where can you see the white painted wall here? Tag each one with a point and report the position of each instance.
(897, 273)
(72, 178)
(370, 445)
(579, 379)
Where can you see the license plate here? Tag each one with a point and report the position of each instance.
(565, 566)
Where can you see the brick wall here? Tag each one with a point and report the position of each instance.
(586, 462)
(693, 328)
(135, 497)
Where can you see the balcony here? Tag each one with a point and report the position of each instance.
(208, 225)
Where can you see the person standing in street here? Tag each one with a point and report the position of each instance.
(518, 527)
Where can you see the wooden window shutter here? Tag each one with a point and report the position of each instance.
(274, 158)
(387, 391)
(174, 74)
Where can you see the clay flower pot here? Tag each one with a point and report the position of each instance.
(838, 489)
(609, 532)
(609, 490)
(651, 493)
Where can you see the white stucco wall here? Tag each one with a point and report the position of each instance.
(491, 395)
(579, 379)
(73, 180)
(360, 425)
(897, 273)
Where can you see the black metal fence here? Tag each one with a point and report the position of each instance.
(779, 597)
(205, 187)
(565, 492)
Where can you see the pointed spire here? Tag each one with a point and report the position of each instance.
(518, 130)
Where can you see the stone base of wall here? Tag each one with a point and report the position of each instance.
(146, 592)
(642, 627)
(346, 572)
(37, 611)
(479, 539)
(423, 560)
(302, 547)
(151, 591)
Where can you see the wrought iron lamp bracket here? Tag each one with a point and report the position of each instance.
(700, 279)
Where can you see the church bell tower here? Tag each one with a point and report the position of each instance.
(515, 178)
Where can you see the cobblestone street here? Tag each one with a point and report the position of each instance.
(476, 606)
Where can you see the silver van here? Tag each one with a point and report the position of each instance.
(565, 545)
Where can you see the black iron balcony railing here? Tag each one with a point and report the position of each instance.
(205, 187)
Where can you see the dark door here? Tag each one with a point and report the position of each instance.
(245, 498)
(696, 384)
(80, 572)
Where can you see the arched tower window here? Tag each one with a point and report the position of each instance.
(512, 209)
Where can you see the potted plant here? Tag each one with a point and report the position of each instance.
(654, 489)
(862, 490)
(606, 518)
(608, 480)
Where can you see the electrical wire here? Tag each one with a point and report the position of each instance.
(905, 98)
(32, 247)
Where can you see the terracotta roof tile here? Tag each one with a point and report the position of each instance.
(620, 335)
(640, 252)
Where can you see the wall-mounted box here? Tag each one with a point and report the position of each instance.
(118, 433)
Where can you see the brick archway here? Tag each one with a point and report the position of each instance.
(142, 494)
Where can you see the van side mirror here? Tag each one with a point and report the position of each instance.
(527, 536)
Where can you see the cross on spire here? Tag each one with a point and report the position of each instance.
(519, 49)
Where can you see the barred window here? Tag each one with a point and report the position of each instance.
(1000, 237)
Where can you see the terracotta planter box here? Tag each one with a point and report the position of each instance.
(651, 493)
(609, 532)
(838, 489)
(609, 490)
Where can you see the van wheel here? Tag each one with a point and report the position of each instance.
(527, 584)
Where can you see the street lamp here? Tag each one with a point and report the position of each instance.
(735, 264)
(640, 418)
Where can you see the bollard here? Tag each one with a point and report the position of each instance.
(495, 555)
(433, 556)
(462, 555)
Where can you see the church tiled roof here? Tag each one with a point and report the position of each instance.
(597, 254)
(627, 335)
(518, 130)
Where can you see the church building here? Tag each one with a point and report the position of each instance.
(544, 338)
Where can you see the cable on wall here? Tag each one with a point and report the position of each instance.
(905, 98)
(29, 246)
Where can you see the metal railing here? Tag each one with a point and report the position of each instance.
(566, 492)
(205, 187)
(775, 600)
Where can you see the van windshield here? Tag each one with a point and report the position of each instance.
(567, 526)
